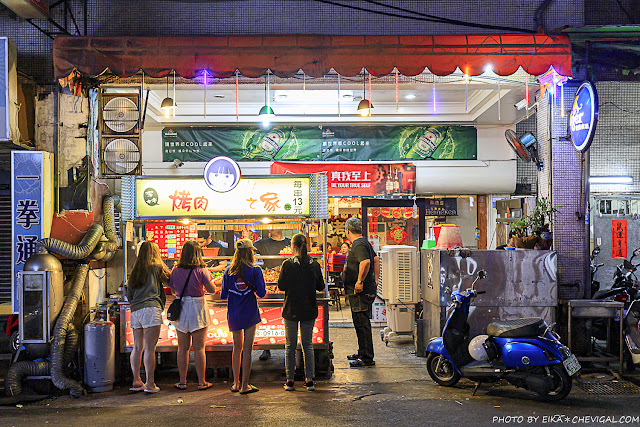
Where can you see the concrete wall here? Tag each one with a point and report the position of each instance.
(178, 18)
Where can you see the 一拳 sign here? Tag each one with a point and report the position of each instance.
(192, 197)
(31, 208)
(584, 116)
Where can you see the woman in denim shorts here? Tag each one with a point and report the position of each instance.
(145, 292)
(189, 280)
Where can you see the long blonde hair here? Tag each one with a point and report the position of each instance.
(148, 262)
(242, 257)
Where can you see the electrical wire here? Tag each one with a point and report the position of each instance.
(424, 17)
(435, 18)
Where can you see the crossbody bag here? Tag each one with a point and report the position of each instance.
(173, 313)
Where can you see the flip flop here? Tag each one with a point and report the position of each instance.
(252, 389)
(136, 389)
(234, 390)
(180, 386)
(204, 386)
(155, 390)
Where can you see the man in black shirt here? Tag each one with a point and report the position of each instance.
(205, 241)
(362, 267)
(272, 245)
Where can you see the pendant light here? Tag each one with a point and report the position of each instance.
(266, 112)
(168, 105)
(364, 107)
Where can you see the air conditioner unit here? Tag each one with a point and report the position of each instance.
(8, 92)
(120, 125)
(399, 274)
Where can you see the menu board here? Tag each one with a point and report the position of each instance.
(270, 330)
(170, 236)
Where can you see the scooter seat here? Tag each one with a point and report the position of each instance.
(519, 328)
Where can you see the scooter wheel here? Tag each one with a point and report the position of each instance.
(441, 370)
(561, 384)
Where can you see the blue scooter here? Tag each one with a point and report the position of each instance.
(525, 352)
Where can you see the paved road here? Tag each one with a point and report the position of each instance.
(395, 392)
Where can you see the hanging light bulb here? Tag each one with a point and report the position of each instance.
(364, 106)
(168, 104)
(266, 112)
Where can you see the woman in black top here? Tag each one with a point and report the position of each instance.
(300, 278)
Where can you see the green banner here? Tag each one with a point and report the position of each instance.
(326, 143)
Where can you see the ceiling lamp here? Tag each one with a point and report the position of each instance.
(266, 112)
(168, 105)
(364, 106)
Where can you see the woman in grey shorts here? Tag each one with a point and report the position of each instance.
(189, 279)
(146, 295)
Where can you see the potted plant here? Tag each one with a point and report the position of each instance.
(535, 229)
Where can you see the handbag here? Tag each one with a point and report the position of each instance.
(173, 313)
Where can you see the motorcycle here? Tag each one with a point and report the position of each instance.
(624, 290)
(595, 285)
(624, 283)
(525, 352)
(631, 331)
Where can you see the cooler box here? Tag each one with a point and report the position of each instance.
(336, 262)
(210, 251)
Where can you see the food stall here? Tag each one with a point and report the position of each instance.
(171, 211)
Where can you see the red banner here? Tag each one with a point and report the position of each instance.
(619, 239)
(359, 179)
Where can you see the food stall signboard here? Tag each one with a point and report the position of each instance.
(192, 197)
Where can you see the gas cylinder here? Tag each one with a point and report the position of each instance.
(99, 355)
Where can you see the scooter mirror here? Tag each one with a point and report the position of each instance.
(636, 252)
(482, 274)
(596, 250)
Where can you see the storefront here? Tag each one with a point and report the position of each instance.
(170, 212)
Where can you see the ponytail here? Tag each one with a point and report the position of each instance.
(300, 242)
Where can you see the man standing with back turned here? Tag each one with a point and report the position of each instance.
(363, 266)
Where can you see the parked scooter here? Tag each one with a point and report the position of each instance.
(623, 290)
(595, 285)
(624, 281)
(525, 352)
(631, 331)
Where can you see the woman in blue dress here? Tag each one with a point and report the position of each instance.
(241, 283)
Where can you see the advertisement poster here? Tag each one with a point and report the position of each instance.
(269, 331)
(320, 143)
(364, 180)
(192, 197)
(619, 239)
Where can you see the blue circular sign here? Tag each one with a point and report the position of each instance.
(222, 174)
(584, 116)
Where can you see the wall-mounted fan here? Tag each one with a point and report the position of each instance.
(120, 128)
(525, 147)
(120, 114)
(121, 156)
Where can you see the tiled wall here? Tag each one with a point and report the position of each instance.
(176, 18)
(616, 147)
(562, 179)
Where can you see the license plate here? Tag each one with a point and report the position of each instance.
(571, 365)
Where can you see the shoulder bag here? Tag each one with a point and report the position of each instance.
(173, 313)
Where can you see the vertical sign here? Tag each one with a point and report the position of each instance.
(31, 208)
(619, 239)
